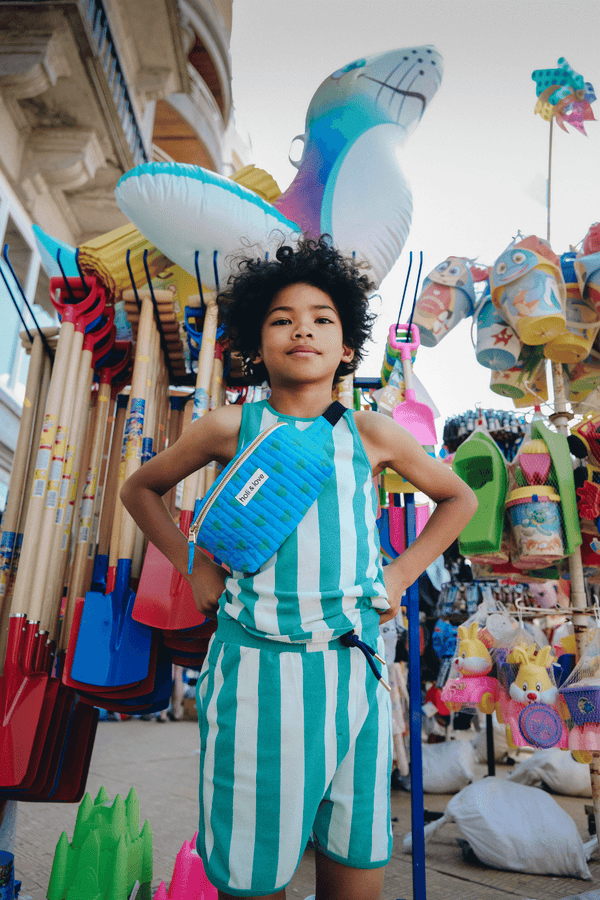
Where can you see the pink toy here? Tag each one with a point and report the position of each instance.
(481, 691)
(189, 880)
(584, 738)
(473, 686)
(161, 893)
(532, 685)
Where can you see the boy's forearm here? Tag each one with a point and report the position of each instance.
(443, 527)
(149, 511)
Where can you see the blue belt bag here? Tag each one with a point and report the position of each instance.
(263, 494)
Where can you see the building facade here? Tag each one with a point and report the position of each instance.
(89, 89)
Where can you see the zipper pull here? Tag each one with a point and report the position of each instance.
(192, 535)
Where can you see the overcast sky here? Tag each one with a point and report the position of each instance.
(477, 163)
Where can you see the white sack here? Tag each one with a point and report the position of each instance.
(447, 767)
(522, 829)
(557, 770)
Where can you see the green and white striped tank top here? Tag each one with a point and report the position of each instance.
(328, 573)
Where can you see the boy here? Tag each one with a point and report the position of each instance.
(295, 730)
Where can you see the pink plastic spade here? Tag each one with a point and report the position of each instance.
(417, 418)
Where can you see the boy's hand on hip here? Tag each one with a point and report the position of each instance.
(396, 585)
(207, 582)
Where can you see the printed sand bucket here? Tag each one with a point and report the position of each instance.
(447, 296)
(529, 290)
(526, 382)
(536, 524)
(582, 319)
(587, 269)
(583, 378)
(498, 346)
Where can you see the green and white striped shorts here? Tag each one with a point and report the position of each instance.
(294, 739)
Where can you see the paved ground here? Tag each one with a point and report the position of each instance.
(161, 761)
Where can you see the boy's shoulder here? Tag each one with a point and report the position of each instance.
(371, 423)
(217, 432)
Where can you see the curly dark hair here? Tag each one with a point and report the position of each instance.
(244, 303)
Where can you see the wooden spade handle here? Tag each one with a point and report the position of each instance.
(10, 519)
(203, 383)
(216, 400)
(23, 601)
(83, 526)
(111, 477)
(137, 403)
(42, 581)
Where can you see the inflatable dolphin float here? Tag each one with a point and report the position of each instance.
(349, 182)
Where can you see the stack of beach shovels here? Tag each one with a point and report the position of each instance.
(91, 617)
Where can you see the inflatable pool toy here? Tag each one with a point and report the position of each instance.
(349, 182)
(106, 257)
(185, 209)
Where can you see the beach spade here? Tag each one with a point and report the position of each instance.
(417, 418)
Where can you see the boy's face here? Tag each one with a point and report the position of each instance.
(301, 336)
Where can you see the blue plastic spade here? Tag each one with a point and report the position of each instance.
(112, 648)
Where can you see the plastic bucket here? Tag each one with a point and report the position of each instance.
(583, 378)
(587, 269)
(536, 524)
(498, 346)
(448, 295)
(525, 383)
(582, 320)
(529, 291)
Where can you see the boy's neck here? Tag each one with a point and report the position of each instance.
(301, 401)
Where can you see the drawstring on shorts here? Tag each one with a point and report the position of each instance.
(350, 639)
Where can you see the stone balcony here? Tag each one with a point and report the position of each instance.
(79, 82)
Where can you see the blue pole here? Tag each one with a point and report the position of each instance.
(414, 691)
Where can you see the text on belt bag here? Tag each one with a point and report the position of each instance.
(263, 494)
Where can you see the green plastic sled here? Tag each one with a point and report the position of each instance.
(480, 463)
(562, 469)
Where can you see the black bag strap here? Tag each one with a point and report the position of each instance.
(334, 413)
